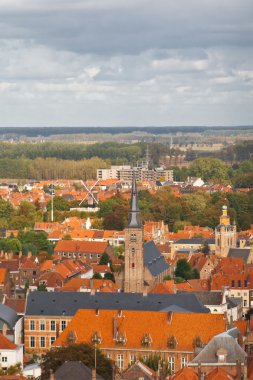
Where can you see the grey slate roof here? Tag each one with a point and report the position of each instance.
(194, 241)
(209, 298)
(225, 341)
(67, 303)
(74, 371)
(239, 252)
(134, 214)
(8, 315)
(153, 259)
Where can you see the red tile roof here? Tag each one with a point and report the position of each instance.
(185, 373)
(6, 344)
(135, 324)
(80, 246)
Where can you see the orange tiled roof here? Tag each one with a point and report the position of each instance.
(242, 326)
(46, 265)
(135, 324)
(164, 287)
(219, 374)
(3, 274)
(185, 373)
(80, 246)
(6, 344)
(17, 304)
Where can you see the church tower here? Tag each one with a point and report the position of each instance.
(225, 234)
(134, 261)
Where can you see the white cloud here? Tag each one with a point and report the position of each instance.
(109, 62)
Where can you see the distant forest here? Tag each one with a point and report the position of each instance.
(48, 131)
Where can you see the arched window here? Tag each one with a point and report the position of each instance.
(133, 251)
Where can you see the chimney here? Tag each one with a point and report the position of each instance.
(145, 291)
(93, 374)
(51, 375)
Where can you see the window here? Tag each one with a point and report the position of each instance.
(141, 378)
(245, 283)
(63, 325)
(183, 361)
(171, 362)
(91, 256)
(32, 341)
(32, 325)
(244, 302)
(109, 356)
(52, 325)
(239, 283)
(42, 342)
(132, 359)
(120, 361)
(42, 325)
(233, 283)
(4, 359)
(34, 273)
(133, 251)
(52, 339)
(132, 265)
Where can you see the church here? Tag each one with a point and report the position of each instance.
(144, 266)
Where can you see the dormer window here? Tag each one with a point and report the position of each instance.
(120, 339)
(172, 343)
(146, 340)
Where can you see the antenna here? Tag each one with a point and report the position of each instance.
(147, 157)
(52, 201)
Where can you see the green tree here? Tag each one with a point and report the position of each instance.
(183, 269)
(109, 276)
(97, 276)
(42, 287)
(105, 259)
(83, 352)
(209, 169)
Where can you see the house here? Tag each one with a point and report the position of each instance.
(11, 325)
(222, 351)
(10, 353)
(74, 370)
(82, 249)
(29, 270)
(137, 371)
(124, 335)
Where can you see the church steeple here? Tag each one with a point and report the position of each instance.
(134, 220)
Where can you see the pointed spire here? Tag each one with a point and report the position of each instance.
(134, 215)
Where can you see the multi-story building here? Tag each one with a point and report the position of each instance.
(48, 313)
(125, 336)
(142, 173)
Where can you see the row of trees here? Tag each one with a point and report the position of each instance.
(216, 170)
(27, 241)
(50, 168)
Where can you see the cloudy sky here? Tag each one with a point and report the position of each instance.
(126, 62)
